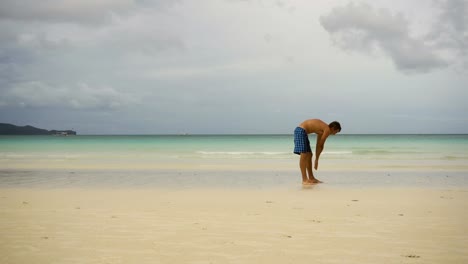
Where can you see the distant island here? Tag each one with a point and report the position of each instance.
(9, 129)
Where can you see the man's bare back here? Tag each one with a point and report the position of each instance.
(316, 126)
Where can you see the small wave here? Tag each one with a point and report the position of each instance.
(454, 158)
(40, 156)
(338, 152)
(368, 152)
(241, 153)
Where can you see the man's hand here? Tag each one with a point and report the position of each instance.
(316, 164)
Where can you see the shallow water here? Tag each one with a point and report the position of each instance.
(229, 160)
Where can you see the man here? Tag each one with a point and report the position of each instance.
(302, 145)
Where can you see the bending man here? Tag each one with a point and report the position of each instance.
(302, 145)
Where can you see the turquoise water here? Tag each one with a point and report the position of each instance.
(239, 146)
(201, 155)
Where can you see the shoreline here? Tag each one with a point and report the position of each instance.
(228, 179)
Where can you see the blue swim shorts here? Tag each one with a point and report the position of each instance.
(301, 141)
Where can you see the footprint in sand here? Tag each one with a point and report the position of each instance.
(412, 256)
(443, 197)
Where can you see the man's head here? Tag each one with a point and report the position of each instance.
(335, 127)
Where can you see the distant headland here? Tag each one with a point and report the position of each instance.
(9, 129)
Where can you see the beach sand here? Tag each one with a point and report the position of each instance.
(318, 224)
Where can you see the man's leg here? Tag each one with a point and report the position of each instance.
(312, 179)
(303, 163)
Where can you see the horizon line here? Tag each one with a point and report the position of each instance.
(258, 134)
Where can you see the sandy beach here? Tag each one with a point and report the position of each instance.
(319, 224)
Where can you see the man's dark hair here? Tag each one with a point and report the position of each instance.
(335, 125)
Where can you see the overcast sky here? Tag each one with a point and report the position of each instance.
(234, 66)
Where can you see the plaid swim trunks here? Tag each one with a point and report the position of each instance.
(301, 141)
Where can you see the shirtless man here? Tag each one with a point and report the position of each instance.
(302, 145)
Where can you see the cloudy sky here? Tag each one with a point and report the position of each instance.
(234, 66)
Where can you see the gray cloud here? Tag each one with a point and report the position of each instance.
(450, 31)
(78, 96)
(144, 66)
(74, 66)
(364, 29)
(86, 11)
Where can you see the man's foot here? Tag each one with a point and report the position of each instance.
(307, 183)
(313, 181)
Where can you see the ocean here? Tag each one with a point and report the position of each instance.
(229, 160)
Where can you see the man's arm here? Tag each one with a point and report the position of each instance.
(320, 145)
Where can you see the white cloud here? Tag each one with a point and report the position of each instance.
(240, 68)
(78, 96)
(72, 11)
(360, 27)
